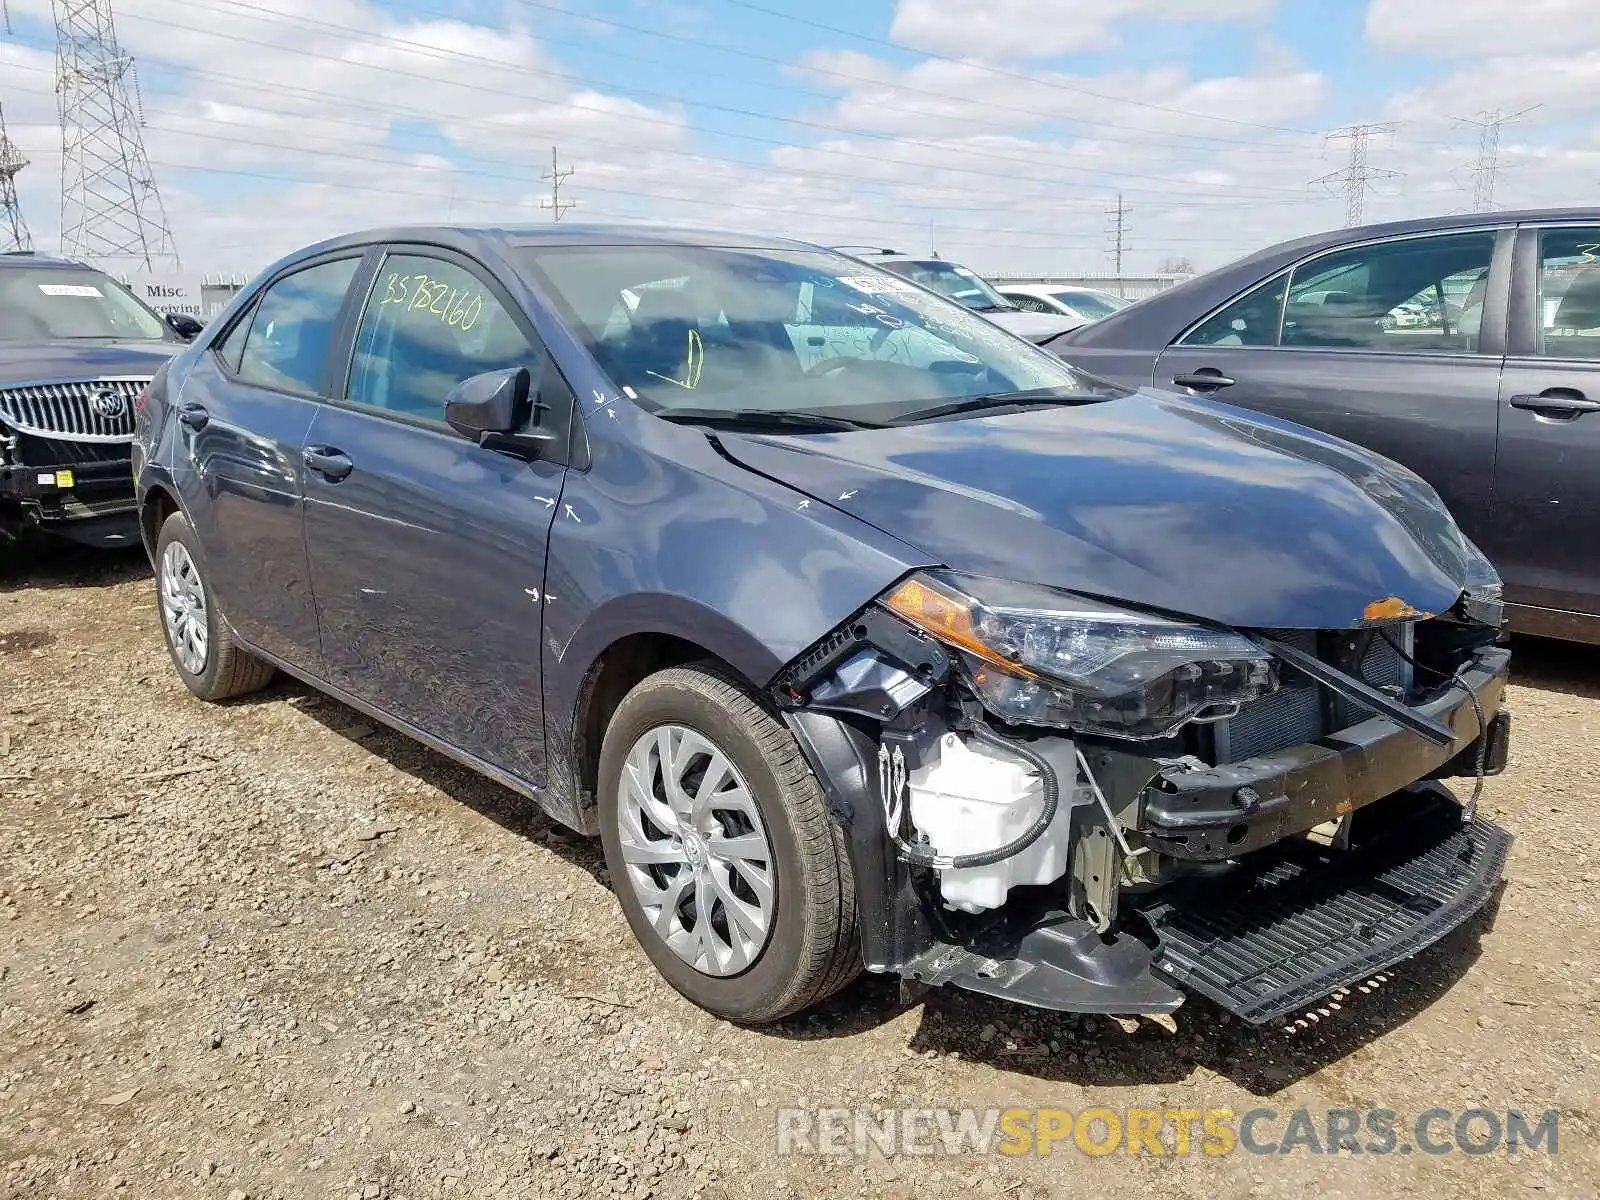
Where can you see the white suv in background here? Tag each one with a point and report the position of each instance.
(966, 286)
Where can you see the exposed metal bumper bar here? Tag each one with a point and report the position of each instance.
(1209, 814)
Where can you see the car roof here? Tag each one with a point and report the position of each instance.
(1166, 314)
(28, 258)
(1478, 220)
(884, 254)
(563, 234)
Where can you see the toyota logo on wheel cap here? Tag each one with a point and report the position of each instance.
(109, 404)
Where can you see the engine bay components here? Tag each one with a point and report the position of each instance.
(968, 796)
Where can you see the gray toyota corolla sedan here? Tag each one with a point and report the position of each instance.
(863, 632)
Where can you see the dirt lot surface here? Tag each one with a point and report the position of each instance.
(266, 950)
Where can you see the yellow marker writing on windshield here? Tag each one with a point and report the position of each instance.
(693, 365)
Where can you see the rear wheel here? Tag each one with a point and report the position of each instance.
(210, 662)
(727, 864)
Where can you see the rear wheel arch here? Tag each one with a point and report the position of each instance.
(159, 504)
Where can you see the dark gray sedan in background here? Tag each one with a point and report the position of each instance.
(1466, 347)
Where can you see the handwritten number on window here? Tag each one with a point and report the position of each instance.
(454, 307)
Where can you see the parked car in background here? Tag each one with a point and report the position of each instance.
(1081, 303)
(1465, 347)
(861, 631)
(76, 348)
(965, 286)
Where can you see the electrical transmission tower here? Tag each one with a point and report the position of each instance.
(1355, 181)
(1487, 165)
(555, 179)
(111, 210)
(13, 229)
(1118, 230)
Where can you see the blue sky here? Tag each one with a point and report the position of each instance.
(999, 131)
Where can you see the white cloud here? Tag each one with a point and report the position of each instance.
(1561, 86)
(1032, 29)
(1466, 27)
(937, 96)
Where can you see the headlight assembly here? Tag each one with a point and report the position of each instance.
(1037, 656)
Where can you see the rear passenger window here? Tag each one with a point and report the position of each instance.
(428, 325)
(286, 347)
(1569, 293)
(1251, 320)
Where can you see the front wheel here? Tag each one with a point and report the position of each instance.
(727, 864)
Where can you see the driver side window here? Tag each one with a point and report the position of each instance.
(430, 323)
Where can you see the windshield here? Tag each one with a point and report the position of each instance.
(959, 283)
(735, 330)
(41, 304)
(1086, 304)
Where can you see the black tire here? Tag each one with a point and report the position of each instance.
(229, 669)
(813, 948)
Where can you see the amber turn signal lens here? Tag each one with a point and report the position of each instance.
(949, 616)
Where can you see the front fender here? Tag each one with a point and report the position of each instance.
(664, 535)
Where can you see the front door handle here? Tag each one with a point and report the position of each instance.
(1560, 403)
(1206, 379)
(194, 416)
(333, 465)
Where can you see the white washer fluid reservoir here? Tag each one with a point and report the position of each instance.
(969, 797)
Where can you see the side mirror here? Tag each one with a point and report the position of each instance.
(185, 326)
(493, 409)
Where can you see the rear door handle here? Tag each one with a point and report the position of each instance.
(194, 416)
(1206, 379)
(333, 465)
(1561, 403)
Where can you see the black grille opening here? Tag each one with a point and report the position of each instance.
(1300, 711)
(51, 452)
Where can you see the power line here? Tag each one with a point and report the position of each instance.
(13, 229)
(1119, 230)
(304, 146)
(1123, 101)
(555, 179)
(425, 50)
(785, 64)
(1355, 180)
(983, 193)
(1487, 165)
(111, 210)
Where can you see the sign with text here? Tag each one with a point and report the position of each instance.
(170, 293)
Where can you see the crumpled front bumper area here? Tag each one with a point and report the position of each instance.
(1215, 813)
(1309, 920)
(1286, 876)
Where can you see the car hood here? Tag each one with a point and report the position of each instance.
(1036, 327)
(1152, 500)
(46, 362)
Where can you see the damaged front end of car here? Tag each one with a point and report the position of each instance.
(1081, 806)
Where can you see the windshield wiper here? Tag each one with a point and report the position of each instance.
(763, 418)
(995, 308)
(1026, 399)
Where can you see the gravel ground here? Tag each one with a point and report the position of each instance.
(267, 950)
